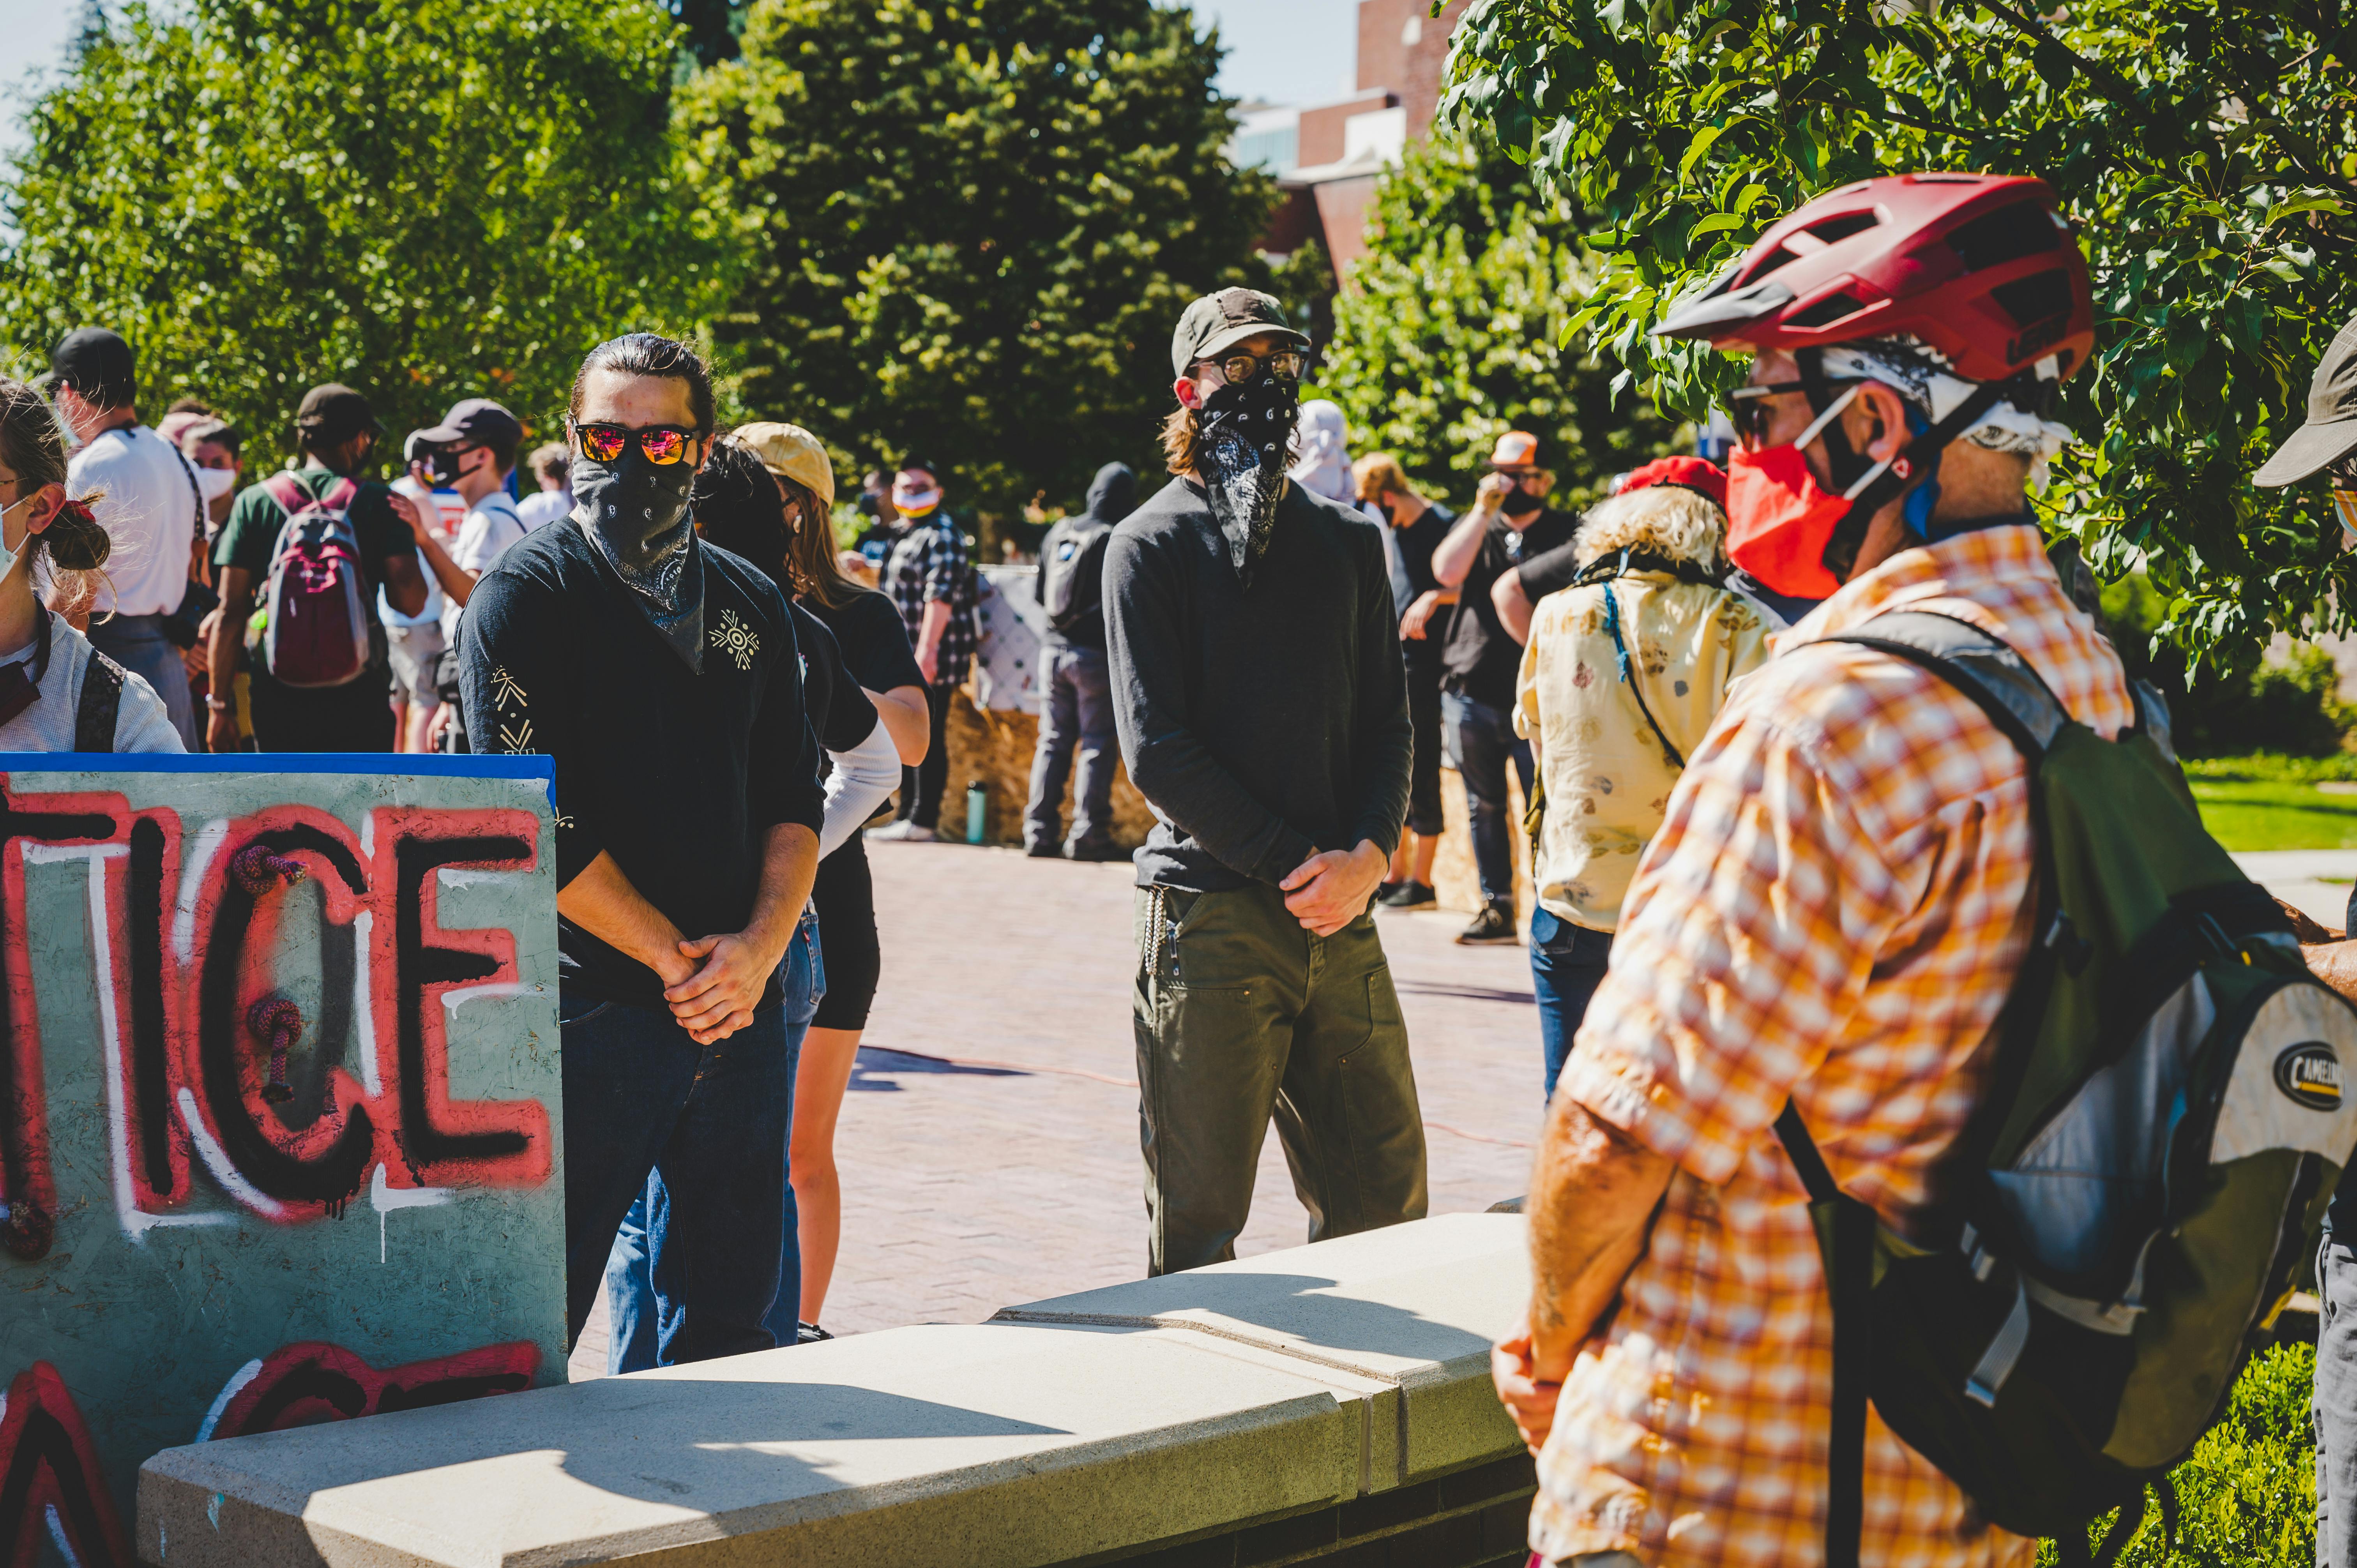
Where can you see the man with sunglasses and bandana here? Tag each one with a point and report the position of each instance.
(1262, 705)
(1833, 910)
(663, 675)
(2324, 447)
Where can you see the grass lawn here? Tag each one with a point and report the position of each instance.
(2275, 814)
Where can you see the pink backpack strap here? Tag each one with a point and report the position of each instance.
(341, 495)
(288, 492)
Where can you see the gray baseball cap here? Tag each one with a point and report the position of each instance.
(1217, 321)
(2330, 433)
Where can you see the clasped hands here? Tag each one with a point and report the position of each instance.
(1330, 889)
(714, 982)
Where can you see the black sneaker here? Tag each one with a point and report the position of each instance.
(1096, 849)
(1493, 927)
(1407, 896)
(1043, 849)
(810, 1334)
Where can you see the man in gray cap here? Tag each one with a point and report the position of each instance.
(1262, 704)
(2326, 442)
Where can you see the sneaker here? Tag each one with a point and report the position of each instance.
(905, 831)
(1407, 895)
(1493, 927)
(810, 1334)
(1043, 849)
(1096, 849)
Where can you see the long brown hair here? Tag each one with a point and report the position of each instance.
(811, 547)
(76, 544)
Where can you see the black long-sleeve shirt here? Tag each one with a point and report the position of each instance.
(678, 776)
(1266, 725)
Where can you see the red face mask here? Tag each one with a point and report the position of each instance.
(1779, 519)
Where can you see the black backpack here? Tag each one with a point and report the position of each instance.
(1071, 572)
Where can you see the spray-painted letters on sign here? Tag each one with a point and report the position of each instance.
(279, 1112)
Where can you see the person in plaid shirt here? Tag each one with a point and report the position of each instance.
(1832, 912)
(932, 581)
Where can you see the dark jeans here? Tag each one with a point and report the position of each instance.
(2336, 1406)
(356, 716)
(1566, 966)
(1424, 813)
(139, 644)
(921, 785)
(1075, 710)
(1482, 741)
(635, 1307)
(1242, 1015)
(641, 1097)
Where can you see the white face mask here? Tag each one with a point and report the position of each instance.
(215, 483)
(9, 556)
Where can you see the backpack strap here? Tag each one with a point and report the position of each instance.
(341, 494)
(1983, 667)
(100, 700)
(1844, 1230)
(289, 492)
(1675, 757)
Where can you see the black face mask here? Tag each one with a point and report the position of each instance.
(1244, 431)
(635, 512)
(1520, 502)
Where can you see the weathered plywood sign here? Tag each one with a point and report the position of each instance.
(280, 1110)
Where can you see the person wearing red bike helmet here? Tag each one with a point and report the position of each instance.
(1832, 912)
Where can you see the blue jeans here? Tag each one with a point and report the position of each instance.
(2335, 1408)
(639, 1312)
(1075, 709)
(1566, 966)
(1482, 741)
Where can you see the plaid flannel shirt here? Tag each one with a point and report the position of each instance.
(930, 563)
(1833, 911)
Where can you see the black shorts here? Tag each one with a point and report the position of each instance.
(844, 893)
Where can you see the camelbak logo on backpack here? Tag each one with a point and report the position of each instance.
(2310, 1073)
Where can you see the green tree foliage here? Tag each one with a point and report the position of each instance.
(428, 201)
(974, 226)
(2207, 154)
(1452, 331)
(2291, 708)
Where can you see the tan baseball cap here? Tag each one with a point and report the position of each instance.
(1515, 449)
(790, 452)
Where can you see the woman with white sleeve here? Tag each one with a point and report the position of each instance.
(57, 692)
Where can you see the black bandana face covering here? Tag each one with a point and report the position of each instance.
(1241, 461)
(635, 512)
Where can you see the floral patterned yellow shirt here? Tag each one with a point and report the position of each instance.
(1605, 774)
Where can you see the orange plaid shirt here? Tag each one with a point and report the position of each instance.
(1833, 911)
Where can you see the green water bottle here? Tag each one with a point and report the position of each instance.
(977, 810)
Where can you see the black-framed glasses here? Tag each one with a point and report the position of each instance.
(1285, 364)
(1746, 407)
(661, 445)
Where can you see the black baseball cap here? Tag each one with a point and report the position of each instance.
(2331, 432)
(333, 412)
(474, 422)
(1217, 321)
(95, 362)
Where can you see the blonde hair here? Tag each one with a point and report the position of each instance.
(1664, 519)
(1378, 475)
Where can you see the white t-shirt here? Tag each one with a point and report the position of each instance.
(543, 506)
(489, 529)
(149, 509)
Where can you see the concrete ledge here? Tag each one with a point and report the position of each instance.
(1084, 1429)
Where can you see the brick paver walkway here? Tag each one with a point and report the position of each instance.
(989, 1143)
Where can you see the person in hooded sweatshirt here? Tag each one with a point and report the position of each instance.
(1076, 683)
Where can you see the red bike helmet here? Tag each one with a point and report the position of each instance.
(1981, 267)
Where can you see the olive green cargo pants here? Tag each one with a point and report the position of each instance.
(1240, 1014)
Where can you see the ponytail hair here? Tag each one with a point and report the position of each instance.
(75, 545)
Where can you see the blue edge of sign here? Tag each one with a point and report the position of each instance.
(426, 765)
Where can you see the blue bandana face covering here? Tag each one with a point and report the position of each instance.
(635, 514)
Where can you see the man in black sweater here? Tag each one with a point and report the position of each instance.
(663, 675)
(1262, 706)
